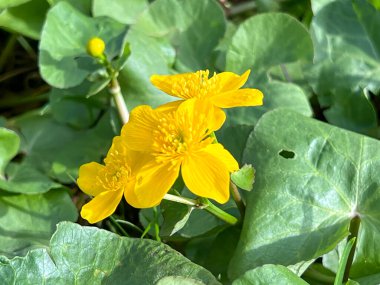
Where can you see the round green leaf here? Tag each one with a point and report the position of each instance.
(10, 143)
(276, 95)
(121, 11)
(28, 221)
(194, 28)
(347, 46)
(26, 19)
(311, 180)
(87, 255)
(269, 274)
(63, 58)
(268, 40)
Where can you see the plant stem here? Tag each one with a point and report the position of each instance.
(237, 198)
(120, 228)
(181, 200)
(115, 91)
(211, 208)
(8, 49)
(354, 230)
(204, 203)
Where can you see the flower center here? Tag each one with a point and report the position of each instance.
(197, 85)
(115, 174)
(175, 137)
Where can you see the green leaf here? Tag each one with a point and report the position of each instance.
(369, 280)
(302, 204)
(11, 3)
(26, 19)
(178, 280)
(244, 177)
(214, 252)
(194, 28)
(347, 56)
(161, 42)
(269, 274)
(87, 255)
(276, 95)
(28, 221)
(27, 179)
(175, 217)
(63, 58)
(83, 111)
(234, 139)
(42, 136)
(10, 143)
(83, 6)
(124, 12)
(250, 48)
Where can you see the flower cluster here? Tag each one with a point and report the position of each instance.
(157, 145)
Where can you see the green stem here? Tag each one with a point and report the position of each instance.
(181, 200)
(120, 228)
(238, 200)
(8, 49)
(203, 203)
(211, 208)
(318, 276)
(115, 91)
(354, 230)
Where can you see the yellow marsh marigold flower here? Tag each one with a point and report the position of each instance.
(96, 47)
(107, 183)
(222, 90)
(179, 140)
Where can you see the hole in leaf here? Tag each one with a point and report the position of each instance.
(288, 154)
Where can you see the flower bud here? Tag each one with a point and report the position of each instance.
(96, 47)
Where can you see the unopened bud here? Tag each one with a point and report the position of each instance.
(96, 47)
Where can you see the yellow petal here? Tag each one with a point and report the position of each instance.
(152, 183)
(229, 81)
(138, 131)
(102, 206)
(207, 176)
(200, 115)
(87, 178)
(169, 107)
(174, 84)
(217, 150)
(241, 97)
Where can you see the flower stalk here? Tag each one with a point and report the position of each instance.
(203, 203)
(237, 198)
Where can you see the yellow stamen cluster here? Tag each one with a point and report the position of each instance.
(196, 84)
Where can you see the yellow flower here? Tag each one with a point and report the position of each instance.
(179, 140)
(96, 47)
(107, 183)
(222, 90)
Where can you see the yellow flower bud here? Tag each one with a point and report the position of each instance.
(96, 47)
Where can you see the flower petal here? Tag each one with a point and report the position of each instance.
(224, 155)
(207, 175)
(174, 85)
(102, 206)
(152, 183)
(229, 81)
(138, 131)
(200, 115)
(237, 98)
(169, 107)
(87, 178)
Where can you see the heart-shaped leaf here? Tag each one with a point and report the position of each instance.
(87, 255)
(311, 180)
